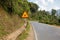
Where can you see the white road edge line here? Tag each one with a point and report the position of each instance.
(35, 33)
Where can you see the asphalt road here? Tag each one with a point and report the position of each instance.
(45, 31)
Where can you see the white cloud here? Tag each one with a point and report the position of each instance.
(35, 1)
(43, 2)
(55, 7)
(45, 5)
(42, 8)
(52, 1)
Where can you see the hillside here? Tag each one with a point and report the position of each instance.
(8, 23)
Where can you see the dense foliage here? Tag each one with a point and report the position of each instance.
(46, 17)
(33, 7)
(19, 6)
(15, 6)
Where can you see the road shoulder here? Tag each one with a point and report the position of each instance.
(31, 34)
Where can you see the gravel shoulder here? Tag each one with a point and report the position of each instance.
(57, 26)
(31, 34)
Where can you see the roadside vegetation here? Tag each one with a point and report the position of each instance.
(8, 23)
(11, 16)
(44, 16)
(25, 34)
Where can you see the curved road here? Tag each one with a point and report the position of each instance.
(45, 31)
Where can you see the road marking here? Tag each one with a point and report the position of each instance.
(35, 33)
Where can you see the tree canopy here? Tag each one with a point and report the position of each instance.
(33, 7)
(19, 6)
(15, 6)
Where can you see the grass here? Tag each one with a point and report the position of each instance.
(9, 23)
(25, 34)
(2, 32)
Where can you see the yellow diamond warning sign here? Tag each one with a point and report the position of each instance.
(25, 15)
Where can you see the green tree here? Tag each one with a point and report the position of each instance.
(33, 7)
(53, 12)
(6, 4)
(15, 6)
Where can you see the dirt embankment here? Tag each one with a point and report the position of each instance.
(8, 23)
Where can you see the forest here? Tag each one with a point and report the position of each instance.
(19, 6)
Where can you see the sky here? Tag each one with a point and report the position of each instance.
(47, 4)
